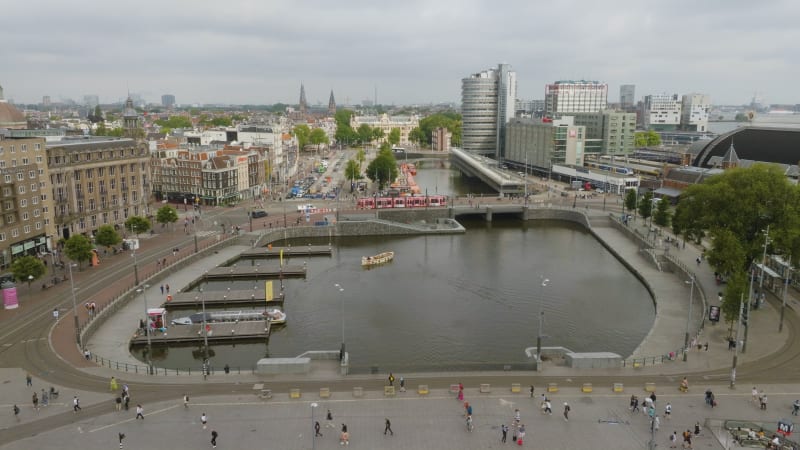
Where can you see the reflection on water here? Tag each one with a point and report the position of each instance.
(449, 302)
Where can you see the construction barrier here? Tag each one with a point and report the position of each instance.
(388, 391)
(294, 393)
(552, 387)
(324, 392)
(486, 388)
(516, 388)
(586, 388)
(618, 387)
(422, 389)
(649, 387)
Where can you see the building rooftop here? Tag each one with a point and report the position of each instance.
(770, 145)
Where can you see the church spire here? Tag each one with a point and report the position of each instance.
(332, 104)
(303, 103)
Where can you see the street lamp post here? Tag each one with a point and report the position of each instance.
(74, 306)
(736, 346)
(206, 364)
(541, 323)
(341, 301)
(147, 330)
(314, 436)
(786, 281)
(30, 280)
(135, 265)
(688, 320)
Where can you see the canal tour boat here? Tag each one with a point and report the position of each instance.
(275, 315)
(381, 258)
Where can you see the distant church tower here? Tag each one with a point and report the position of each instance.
(130, 119)
(332, 104)
(303, 104)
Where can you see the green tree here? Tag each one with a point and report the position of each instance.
(78, 248)
(661, 216)
(352, 171)
(394, 136)
(302, 133)
(175, 122)
(630, 200)
(28, 269)
(734, 209)
(137, 224)
(646, 205)
(377, 134)
(416, 135)
(647, 139)
(166, 214)
(449, 120)
(344, 132)
(382, 169)
(364, 133)
(107, 236)
(361, 157)
(318, 137)
(97, 116)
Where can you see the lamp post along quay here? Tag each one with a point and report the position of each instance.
(688, 319)
(74, 305)
(341, 300)
(539, 336)
(147, 331)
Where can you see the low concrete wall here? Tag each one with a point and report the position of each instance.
(283, 366)
(594, 360)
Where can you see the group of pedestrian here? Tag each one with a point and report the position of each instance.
(164, 288)
(124, 397)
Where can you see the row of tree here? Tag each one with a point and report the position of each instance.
(79, 247)
(306, 135)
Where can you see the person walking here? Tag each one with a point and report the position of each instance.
(388, 427)
(566, 412)
(635, 404)
(118, 401)
(113, 384)
(673, 440)
(167, 287)
(548, 408)
(162, 287)
(795, 407)
(185, 401)
(668, 411)
(28, 380)
(16, 412)
(121, 437)
(763, 401)
(316, 429)
(35, 402)
(391, 379)
(204, 420)
(139, 412)
(504, 431)
(127, 402)
(329, 420)
(754, 392)
(214, 436)
(45, 399)
(402, 384)
(76, 404)
(531, 391)
(521, 434)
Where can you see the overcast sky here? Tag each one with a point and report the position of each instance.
(412, 51)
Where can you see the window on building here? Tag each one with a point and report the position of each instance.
(23, 203)
(15, 233)
(38, 225)
(8, 178)
(21, 189)
(2, 236)
(25, 216)
(20, 176)
(37, 212)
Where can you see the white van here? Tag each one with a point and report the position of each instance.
(306, 207)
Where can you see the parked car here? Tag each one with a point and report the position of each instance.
(258, 214)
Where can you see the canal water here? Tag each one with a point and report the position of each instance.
(462, 302)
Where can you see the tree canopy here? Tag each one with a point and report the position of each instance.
(318, 137)
(175, 122)
(646, 205)
(383, 169)
(449, 120)
(394, 136)
(28, 266)
(78, 248)
(647, 139)
(166, 214)
(734, 209)
(137, 224)
(364, 133)
(352, 171)
(107, 236)
(661, 216)
(344, 132)
(630, 200)
(302, 133)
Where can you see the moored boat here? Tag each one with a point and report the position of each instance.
(274, 314)
(380, 258)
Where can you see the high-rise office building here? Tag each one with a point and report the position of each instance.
(167, 100)
(487, 104)
(565, 97)
(614, 131)
(627, 96)
(694, 112)
(46, 101)
(91, 100)
(662, 112)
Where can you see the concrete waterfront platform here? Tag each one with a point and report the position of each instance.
(300, 250)
(219, 333)
(257, 271)
(216, 299)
